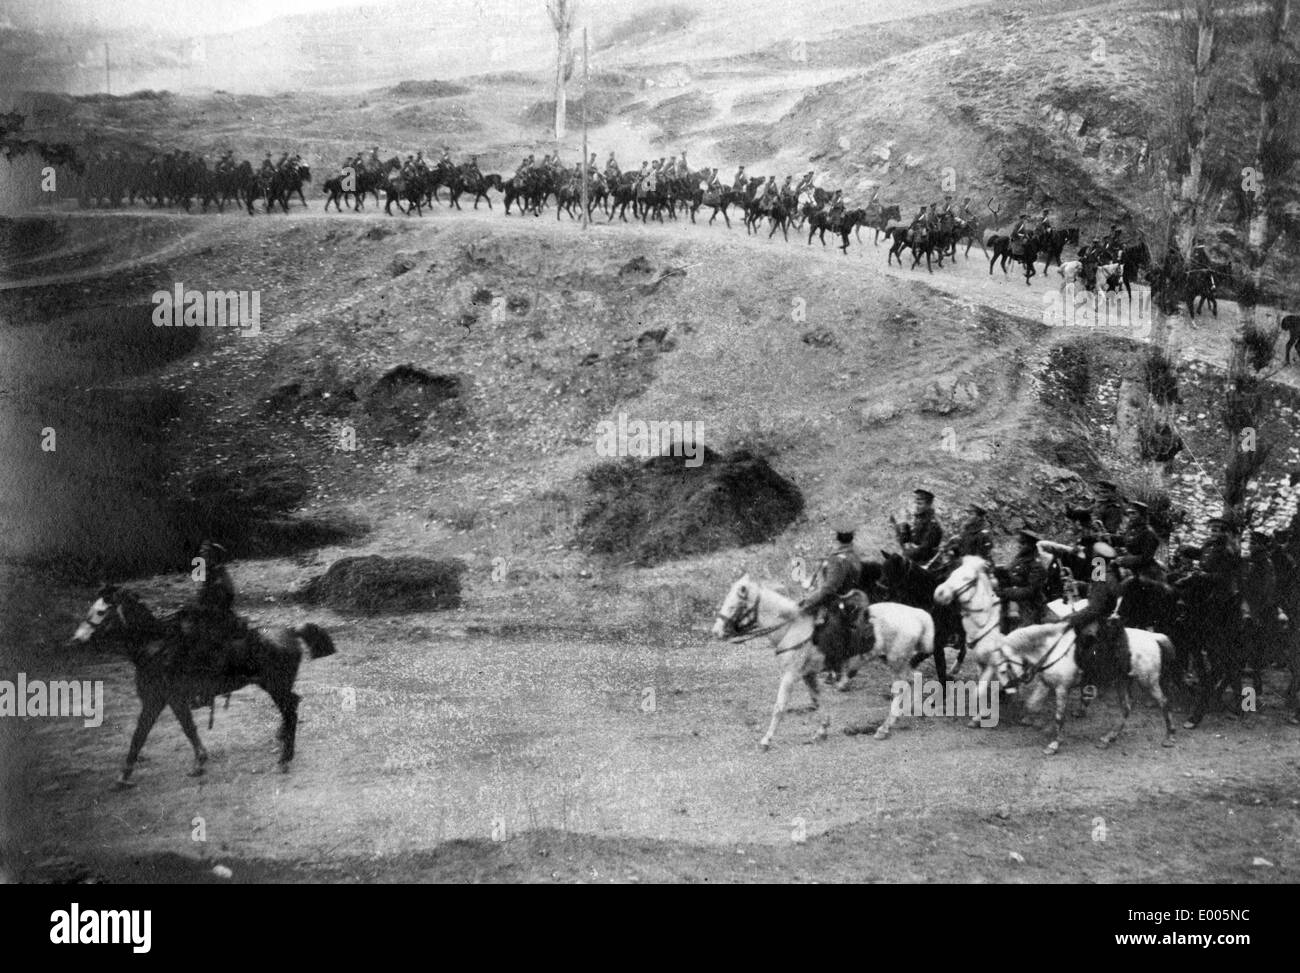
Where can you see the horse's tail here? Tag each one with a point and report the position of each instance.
(317, 640)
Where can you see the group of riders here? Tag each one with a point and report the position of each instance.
(179, 177)
(1111, 559)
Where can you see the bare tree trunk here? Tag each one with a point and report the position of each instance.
(562, 13)
(561, 102)
(1189, 204)
(1272, 158)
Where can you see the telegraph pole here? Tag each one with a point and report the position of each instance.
(586, 215)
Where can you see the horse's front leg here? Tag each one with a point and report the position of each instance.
(150, 710)
(788, 678)
(810, 680)
(896, 692)
(982, 687)
(185, 718)
(1062, 701)
(1125, 708)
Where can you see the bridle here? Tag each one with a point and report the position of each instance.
(966, 610)
(746, 617)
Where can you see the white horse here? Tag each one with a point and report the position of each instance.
(971, 586)
(1044, 657)
(903, 637)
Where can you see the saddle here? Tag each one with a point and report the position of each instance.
(844, 629)
(1017, 248)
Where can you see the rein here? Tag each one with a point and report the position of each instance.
(968, 611)
(1034, 670)
(749, 616)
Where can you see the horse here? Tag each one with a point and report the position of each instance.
(1210, 628)
(922, 241)
(1004, 248)
(900, 635)
(776, 212)
(1044, 656)
(1291, 325)
(879, 218)
(466, 181)
(333, 187)
(819, 221)
(971, 588)
(166, 654)
(1052, 243)
(909, 583)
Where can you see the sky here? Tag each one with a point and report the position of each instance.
(218, 16)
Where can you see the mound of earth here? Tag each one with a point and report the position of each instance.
(377, 584)
(659, 509)
(428, 89)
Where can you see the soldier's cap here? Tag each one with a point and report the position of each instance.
(1081, 514)
(1190, 552)
(844, 531)
(1029, 535)
(1139, 506)
(926, 494)
(1107, 485)
(1102, 549)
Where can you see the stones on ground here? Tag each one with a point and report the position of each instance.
(948, 395)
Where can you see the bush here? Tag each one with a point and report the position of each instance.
(658, 509)
(375, 584)
(1160, 378)
(1259, 343)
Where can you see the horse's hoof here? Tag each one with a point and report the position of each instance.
(882, 734)
(765, 745)
(123, 783)
(196, 770)
(284, 766)
(1190, 724)
(842, 687)
(1051, 748)
(1104, 743)
(973, 724)
(1167, 742)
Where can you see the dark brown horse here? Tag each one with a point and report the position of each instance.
(175, 666)
(1291, 325)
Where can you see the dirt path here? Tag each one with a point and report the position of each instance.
(1206, 339)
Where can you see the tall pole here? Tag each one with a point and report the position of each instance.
(586, 215)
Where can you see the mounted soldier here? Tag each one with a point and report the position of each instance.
(268, 167)
(770, 195)
(805, 184)
(1110, 508)
(1021, 230)
(212, 621)
(473, 175)
(612, 171)
(919, 539)
(1259, 589)
(1221, 557)
(738, 184)
(835, 210)
(1044, 223)
(1023, 584)
(976, 537)
(1201, 263)
(1140, 545)
(839, 573)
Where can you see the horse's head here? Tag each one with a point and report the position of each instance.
(739, 610)
(115, 611)
(968, 583)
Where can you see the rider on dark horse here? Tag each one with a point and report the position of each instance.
(976, 537)
(920, 538)
(1109, 510)
(214, 616)
(1024, 583)
(1201, 264)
